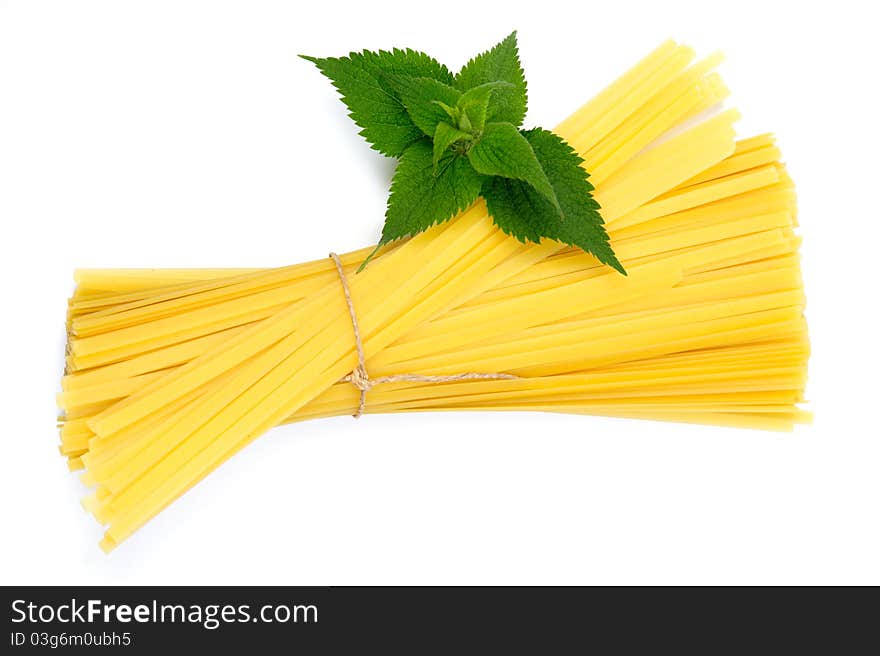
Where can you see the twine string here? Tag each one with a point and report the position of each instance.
(359, 376)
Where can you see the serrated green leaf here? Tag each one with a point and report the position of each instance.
(444, 136)
(373, 106)
(475, 102)
(522, 212)
(501, 63)
(422, 97)
(503, 151)
(457, 137)
(419, 199)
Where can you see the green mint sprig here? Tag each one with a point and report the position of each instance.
(459, 137)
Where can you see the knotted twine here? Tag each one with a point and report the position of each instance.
(361, 379)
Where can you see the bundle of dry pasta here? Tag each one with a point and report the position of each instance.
(170, 372)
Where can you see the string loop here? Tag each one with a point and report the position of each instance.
(359, 376)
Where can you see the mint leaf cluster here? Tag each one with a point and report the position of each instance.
(459, 137)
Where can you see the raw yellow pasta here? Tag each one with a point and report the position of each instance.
(170, 372)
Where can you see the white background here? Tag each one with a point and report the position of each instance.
(189, 134)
